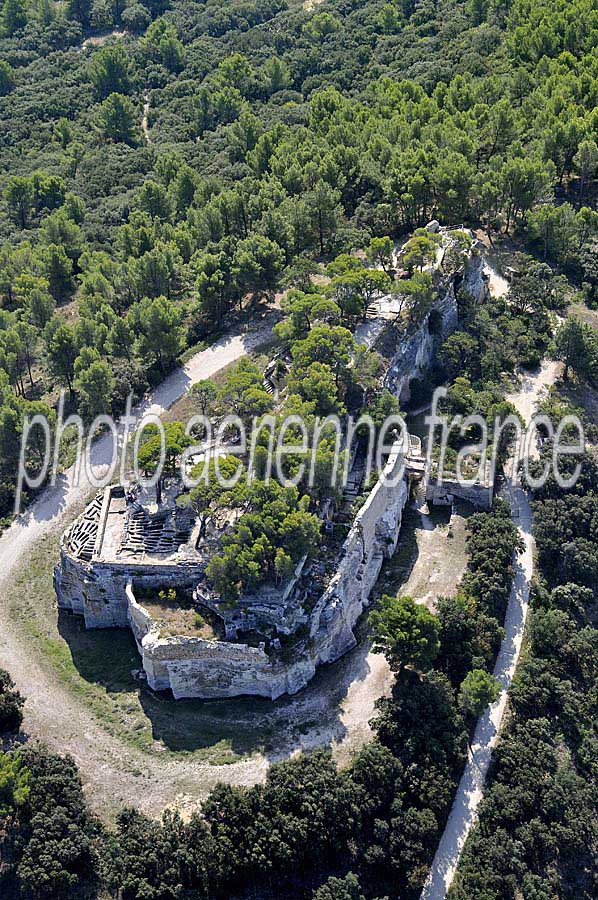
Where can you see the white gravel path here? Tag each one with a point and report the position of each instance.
(110, 770)
(470, 791)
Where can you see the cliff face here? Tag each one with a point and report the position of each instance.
(418, 350)
(98, 590)
(92, 591)
(415, 354)
(475, 281)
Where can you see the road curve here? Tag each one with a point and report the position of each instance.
(52, 711)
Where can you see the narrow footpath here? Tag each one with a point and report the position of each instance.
(144, 122)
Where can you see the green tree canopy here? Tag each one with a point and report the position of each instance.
(381, 252)
(109, 71)
(156, 324)
(6, 78)
(11, 709)
(176, 441)
(420, 250)
(117, 119)
(346, 888)
(478, 690)
(95, 384)
(406, 633)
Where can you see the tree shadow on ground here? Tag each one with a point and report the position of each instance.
(311, 718)
(226, 728)
(104, 656)
(397, 570)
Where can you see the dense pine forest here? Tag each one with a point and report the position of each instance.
(165, 170)
(162, 165)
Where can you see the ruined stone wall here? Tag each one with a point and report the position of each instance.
(443, 492)
(192, 667)
(97, 590)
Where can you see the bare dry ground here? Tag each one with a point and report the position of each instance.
(583, 312)
(439, 555)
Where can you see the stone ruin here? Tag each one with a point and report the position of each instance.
(126, 549)
(267, 644)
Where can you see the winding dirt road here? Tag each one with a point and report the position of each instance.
(335, 708)
(463, 815)
(113, 774)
